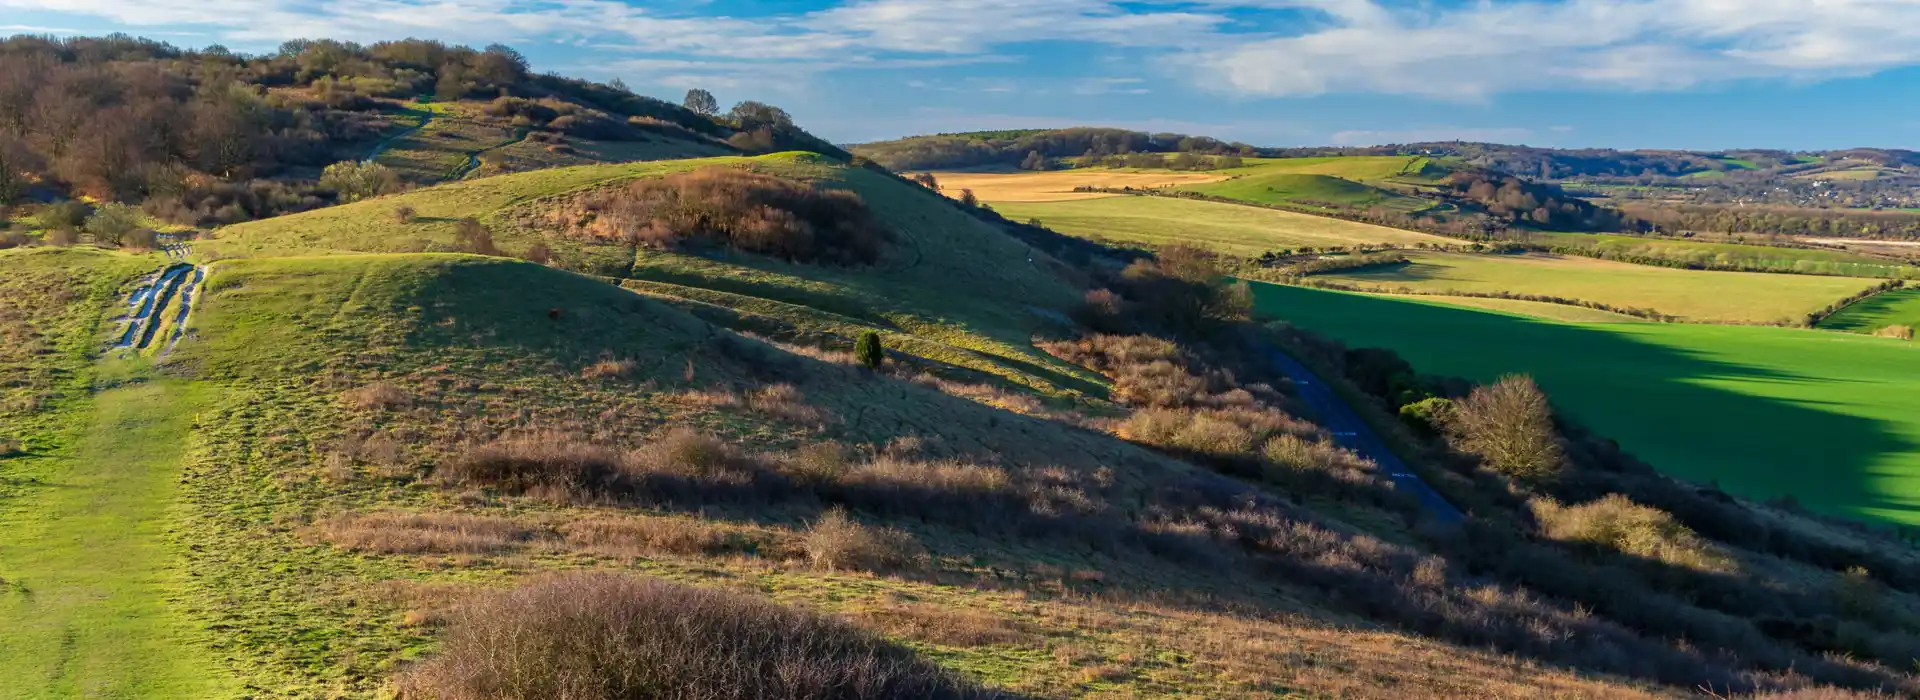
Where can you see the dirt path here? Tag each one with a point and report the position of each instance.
(148, 303)
(88, 571)
(426, 117)
(1353, 432)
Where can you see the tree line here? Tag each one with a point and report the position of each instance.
(1018, 148)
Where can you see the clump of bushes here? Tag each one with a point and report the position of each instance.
(745, 210)
(1617, 523)
(610, 637)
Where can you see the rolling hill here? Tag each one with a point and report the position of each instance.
(603, 407)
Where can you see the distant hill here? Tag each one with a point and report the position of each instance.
(211, 136)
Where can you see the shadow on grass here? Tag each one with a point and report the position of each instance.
(1658, 402)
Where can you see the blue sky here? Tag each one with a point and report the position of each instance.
(1698, 74)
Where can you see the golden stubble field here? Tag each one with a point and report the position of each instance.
(1058, 186)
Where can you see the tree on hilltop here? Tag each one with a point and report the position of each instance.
(701, 102)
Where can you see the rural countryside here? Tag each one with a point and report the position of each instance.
(960, 349)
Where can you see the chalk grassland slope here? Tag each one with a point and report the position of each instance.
(1059, 185)
(86, 481)
(1826, 418)
(1799, 260)
(1721, 297)
(953, 289)
(1229, 228)
(327, 561)
(1900, 307)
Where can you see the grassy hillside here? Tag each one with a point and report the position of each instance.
(1825, 418)
(959, 292)
(1245, 231)
(1307, 190)
(364, 440)
(1724, 297)
(1900, 307)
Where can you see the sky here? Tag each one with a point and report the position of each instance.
(1686, 74)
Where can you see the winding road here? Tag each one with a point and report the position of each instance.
(1353, 433)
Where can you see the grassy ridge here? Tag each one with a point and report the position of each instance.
(1766, 412)
(1308, 190)
(1724, 297)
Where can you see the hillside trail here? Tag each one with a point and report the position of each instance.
(1352, 432)
(89, 572)
(426, 117)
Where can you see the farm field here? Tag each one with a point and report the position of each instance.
(1832, 419)
(1058, 185)
(1718, 297)
(1534, 309)
(1228, 228)
(1799, 260)
(1356, 168)
(1900, 307)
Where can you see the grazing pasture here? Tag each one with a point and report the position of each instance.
(1830, 419)
(1725, 254)
(1693, 295)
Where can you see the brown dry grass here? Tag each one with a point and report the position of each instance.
(378, 395)
(640, 536)
(393, 532)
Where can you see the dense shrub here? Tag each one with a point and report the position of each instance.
(111, 222)
(749, 211)
(868, 351)
(355, 180)
(609, 637)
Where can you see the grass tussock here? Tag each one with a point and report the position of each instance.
(1617, 523)
(745, 210)
(609, 637)
(949, 626)
(392, 532)
(377, 396)
(656, 535)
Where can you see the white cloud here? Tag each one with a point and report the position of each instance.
(1472, 51)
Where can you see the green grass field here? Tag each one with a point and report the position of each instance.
(1229, 228)
(1299, 189)
(1797, 260)
(1832, 419)
(1356, 168)
(1721, 297)
(1900, 307)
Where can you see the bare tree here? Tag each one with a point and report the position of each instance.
(1510, 425)
(701, 102)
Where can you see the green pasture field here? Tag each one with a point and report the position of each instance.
(1831, 419)
(1718, 297)
(1797, 260)
(1900, 307)
(1228, 228)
